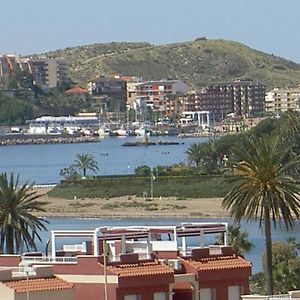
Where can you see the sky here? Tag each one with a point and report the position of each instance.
(37, 26)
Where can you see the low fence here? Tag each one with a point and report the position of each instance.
(45, 186)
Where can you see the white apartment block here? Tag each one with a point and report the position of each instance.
(279, 100)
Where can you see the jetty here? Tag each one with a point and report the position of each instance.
(147, 143)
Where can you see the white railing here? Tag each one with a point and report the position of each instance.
(269, 297)
(141, 256)
(75, 248)
(47, 259)
(43, 186)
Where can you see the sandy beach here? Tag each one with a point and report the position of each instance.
(132, 207)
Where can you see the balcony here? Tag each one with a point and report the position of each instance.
(294, 295)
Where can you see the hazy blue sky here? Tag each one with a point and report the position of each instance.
(34, 26)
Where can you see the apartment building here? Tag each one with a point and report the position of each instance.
(131, 83)
(10, 65)
(34, 283)
(49, 72)
(241, 98)
(158, 95)
(172, 262)
(110, 91)
(280, 100)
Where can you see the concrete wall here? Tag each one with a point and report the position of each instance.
(6, 293)
(146, 293)
(67, 294)
(10, 260)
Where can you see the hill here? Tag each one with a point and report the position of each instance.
(197, 62)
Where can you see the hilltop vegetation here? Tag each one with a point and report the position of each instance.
(198, 62)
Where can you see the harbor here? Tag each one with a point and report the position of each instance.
(41, 163)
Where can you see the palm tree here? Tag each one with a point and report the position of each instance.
(237, 239)
(263, 189)
(85, 162)
(194, 154)
(203, 155)
(19, 226)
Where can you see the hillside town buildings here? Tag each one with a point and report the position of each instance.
(116, 98)
(240, 98)
(110, 92)
(158, 95)
(77, 91)
(43, 72)
(49, 72)
(279, 100)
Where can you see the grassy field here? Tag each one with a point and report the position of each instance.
(108, 187)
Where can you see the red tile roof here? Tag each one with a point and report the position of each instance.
(38, 284)
(76, 90)
(141, 269)
(219, 263)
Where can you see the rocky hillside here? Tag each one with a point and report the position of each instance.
(198, 62)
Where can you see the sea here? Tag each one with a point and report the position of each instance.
(41, 164)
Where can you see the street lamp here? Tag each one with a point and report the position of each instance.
(105, 265)
(127, 110)
(28, 270)
(151, 181)
(225, 160)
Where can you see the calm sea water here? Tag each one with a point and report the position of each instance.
(42, 163)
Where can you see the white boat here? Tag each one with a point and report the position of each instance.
(142, 131)
(103, 131)
(121, 132)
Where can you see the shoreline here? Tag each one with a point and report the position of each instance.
(22, 139)
(132, 207)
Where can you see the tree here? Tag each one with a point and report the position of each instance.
(194, 154)
(263, 189)
(142, 171)
(286, 267)
(69, 172)
(19, 226)
(204, 155)
(237, 239)
(85, 162)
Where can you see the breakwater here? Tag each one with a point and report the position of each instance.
(24, 139)
(132, 144)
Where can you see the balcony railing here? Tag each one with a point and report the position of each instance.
(48, 259)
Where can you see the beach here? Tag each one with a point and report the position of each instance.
(132, 207)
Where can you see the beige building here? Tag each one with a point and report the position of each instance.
(280, 100)
(23, 283)
(49, 72)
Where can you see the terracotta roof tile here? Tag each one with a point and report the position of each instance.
(141, 269)
(38, 284)
(219, 263)
(76, 90)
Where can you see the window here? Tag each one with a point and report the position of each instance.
(207, 294)
(234, 292)
(132, 297)
(159, 296)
